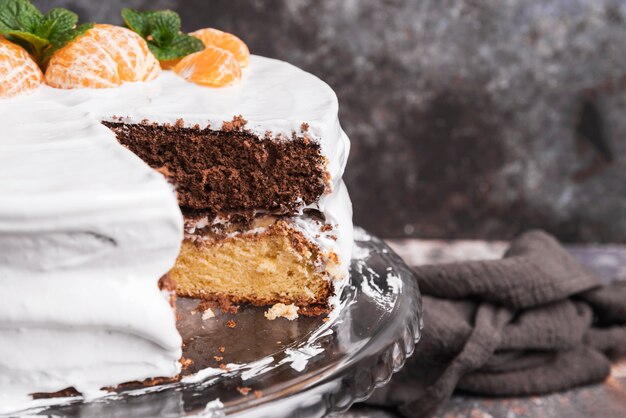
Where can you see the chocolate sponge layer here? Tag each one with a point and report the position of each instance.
(234, 171)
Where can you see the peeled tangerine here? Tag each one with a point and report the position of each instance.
(213, 67)
(224, 40)
(105, 56)
(18, 71)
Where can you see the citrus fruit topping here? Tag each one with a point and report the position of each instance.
(213, 67)
(224, 40)
(18, 71)
(105, 56)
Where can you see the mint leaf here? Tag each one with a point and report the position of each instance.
(165, 27)
(60, 39)
(19, 15)
(79, 30)
(56, 22)
(176, 48)
(179, 46)
(34, 44)
(41, 35)
(136, 21)
(185, 42)
(161, 30)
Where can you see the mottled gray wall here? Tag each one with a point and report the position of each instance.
(462, 113)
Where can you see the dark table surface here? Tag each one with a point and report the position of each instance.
(603, 400)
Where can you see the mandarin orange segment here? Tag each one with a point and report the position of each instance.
(213, 67)
(224, 40)
(105, 56)
(18, 71)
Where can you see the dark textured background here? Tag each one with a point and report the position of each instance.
(468, 118)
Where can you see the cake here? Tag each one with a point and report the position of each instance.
(121, 191)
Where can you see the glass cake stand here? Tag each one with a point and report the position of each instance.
(309, 367)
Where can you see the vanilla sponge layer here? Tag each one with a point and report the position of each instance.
(275, 265)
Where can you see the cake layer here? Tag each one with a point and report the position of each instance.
(230, 171)
(300, 260)
(276, 265)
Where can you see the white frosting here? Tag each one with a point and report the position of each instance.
(87, 229)
(337, 209)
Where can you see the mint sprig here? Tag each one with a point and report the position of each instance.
(161, 30)
(40, 34)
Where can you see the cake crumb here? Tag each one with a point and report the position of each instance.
(233, 309)
(208, 314)
(164, 171)
(185, 362)
(289, 312)
(231, 324)
(203, 305)
(237, 124)
(224, 367)
(258, 394)
(243, 390)
(304, 127)
(222, 303)
(222, 349)
(218, 358)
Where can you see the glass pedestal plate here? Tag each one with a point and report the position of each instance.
(309, 367)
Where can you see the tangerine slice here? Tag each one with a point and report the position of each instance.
(213, 67)
(225, 40)
(105, 56)
(18, 71)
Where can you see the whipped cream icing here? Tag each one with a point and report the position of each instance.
(87, 228)
(337, 210)
(86, 231)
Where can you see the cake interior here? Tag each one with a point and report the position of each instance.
(229, 170)
(278, 265)
(242, 190)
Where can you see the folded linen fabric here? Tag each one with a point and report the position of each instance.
(534, 322)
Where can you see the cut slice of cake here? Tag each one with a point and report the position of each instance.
(248, 236)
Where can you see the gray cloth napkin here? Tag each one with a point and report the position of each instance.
(534, 322)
